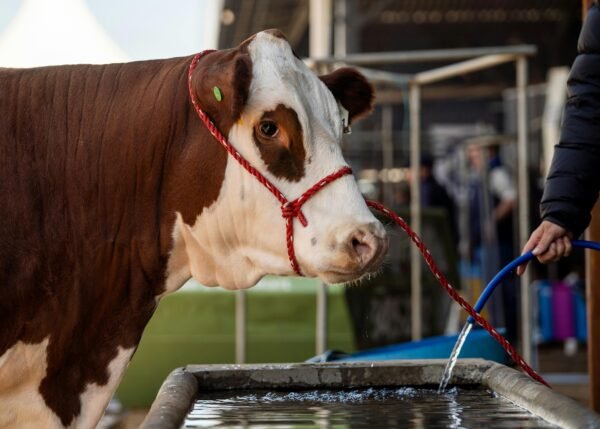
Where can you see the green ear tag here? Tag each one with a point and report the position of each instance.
(217, 93)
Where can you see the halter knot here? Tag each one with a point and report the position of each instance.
(291, 209)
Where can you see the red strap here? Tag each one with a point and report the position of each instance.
(289, 209)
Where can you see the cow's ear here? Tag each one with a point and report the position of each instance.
(241, 83)
(221, 82)
(352, 90)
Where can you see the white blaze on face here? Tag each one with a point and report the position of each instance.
(241, 237)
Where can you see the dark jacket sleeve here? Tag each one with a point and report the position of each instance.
(574, 177)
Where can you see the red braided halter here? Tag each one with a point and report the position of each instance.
(292, 209)
(289, 209)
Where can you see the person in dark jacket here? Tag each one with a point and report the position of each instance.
(573, 181)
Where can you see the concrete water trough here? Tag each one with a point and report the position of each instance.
(335, 394)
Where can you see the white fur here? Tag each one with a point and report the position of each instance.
(22, 369)
(95, 398)
(241, 237)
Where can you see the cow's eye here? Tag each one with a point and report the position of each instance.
(268, 129)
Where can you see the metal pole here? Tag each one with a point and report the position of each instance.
(523, 211)
(415, 209)
(321, 329)
(319, 36)
(319, 47)
(387, 149)
(394, 79)
(399, 57)
(462, 67)
(592, 278)
(240, 326)
(339, 38)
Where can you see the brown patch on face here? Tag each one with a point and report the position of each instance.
(352, 89)
(279, 138)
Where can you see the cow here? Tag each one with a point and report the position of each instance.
(113, 194)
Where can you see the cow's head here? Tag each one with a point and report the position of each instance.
(288, 123)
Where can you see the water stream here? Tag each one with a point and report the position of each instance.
(454, 356)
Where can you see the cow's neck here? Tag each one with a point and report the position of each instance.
(162, 161)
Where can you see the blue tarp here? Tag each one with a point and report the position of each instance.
(479, 344)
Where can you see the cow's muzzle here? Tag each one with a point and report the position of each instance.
(358, 251)
(367, 245)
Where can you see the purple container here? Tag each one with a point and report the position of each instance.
(562, 307)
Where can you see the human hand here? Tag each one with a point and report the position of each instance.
(549, 242)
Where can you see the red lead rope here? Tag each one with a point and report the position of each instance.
(514, 355)
(292, 209)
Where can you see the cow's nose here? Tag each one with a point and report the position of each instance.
(367, 244)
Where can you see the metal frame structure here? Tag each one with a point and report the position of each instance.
(474, 59)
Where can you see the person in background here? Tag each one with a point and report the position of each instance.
(503, 193)
(493, 198)
(573, 181)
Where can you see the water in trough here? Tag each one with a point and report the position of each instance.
(405, 407)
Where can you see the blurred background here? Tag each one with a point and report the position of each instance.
(467, 167)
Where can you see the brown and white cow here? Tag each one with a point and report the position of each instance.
(113, 194)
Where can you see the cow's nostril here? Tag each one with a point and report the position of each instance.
(362, 248)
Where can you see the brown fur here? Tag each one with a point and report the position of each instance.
(284, 155)
(94, 163)
(352, 89)
(231, 71)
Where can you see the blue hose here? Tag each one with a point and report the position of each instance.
(495, 282)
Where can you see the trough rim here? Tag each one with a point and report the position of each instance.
(180, 388)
